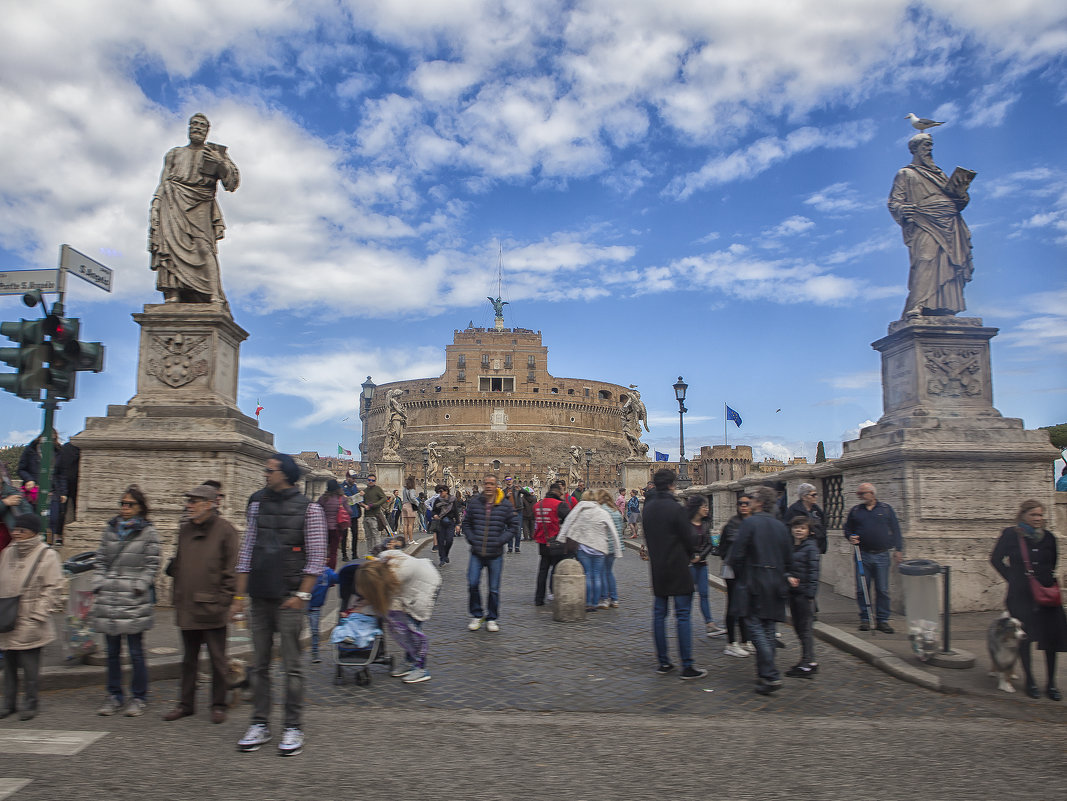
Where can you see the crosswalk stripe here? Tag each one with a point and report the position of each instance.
(9, 787)
(47, 741)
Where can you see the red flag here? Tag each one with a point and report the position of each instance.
(259, 408)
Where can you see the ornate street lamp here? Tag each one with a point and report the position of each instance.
(367, 396)
(679, 393)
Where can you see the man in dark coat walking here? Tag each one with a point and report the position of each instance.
(762, 560)
(671, 543)
(489, 523)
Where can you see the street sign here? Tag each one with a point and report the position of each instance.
(18, 282)
(82, 266)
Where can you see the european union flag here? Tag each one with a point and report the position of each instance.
(732, 415)
(661, 457)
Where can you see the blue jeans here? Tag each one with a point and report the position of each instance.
(314, 616)
(700, 579)
(876, 568)
(593, 565)
(683, 604)
(608, 589)
(139, 680)
(761, 632)
(493, 565)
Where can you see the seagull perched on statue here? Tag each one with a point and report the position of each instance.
(921, 123)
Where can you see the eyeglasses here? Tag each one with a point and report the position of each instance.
(742, 503)
(127, 504)
(268, 470)
(371, 480)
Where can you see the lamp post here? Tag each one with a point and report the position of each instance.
(679, 393)
(425, 470)
(364, 412)
(588, 462)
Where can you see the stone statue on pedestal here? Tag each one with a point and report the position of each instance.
(927, 204)
(634, 414)
(394, 428)
(450, 480)
(432, 456)
(185, 221)
(575, 466)
(550, 476)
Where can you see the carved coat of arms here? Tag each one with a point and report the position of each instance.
(953, 372)
(178, 359)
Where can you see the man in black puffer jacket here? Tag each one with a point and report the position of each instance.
(489, 523)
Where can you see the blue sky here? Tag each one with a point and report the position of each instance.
(684, 188)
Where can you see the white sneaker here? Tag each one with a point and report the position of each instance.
(604, 605)
(550, 597)
(748, 646)
(257, 735)
(135, 708)
(292, 742)
(492, 626)
(401, 671)
(417, 675)
(110, 707)
(735, 649)
(475, 624)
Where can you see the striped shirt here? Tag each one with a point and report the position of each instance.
(314, 540)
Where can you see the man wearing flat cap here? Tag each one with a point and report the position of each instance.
(203, 569)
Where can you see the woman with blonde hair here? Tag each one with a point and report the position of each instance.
(609, 592)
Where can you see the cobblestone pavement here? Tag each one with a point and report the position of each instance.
(544, 710)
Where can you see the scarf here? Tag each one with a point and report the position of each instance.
(124, 527)
(1033, 535)
(25, 547)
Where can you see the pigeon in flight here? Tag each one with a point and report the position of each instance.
(921, 123)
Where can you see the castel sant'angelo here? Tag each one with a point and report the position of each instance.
(497, 408)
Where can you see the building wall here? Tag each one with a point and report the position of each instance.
(526, 422)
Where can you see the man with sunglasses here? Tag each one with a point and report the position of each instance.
(374, 502)
(282, 556)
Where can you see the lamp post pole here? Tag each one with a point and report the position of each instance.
(364, 412)
(679, 394)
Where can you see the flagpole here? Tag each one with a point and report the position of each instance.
(725, 428)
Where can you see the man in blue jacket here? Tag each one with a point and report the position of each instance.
(489, 523)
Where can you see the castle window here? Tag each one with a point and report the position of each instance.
(495, 384)
(530, 362)
(436, 389)
(529, 378)
(462, 375)
(507, 362)
(587, 392)
(604, 395)
(447, 416)
(461, 363)
(572, 419)
(555, 390)
(570, 391)
(536, 389)
(485, 360)
(496, 464)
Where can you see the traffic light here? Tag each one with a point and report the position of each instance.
(27, 359)
(66, 355)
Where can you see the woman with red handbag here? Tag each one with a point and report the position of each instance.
(1025, 555)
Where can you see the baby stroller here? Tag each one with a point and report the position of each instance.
(365, 647)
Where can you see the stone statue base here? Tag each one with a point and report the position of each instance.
(951, 466)
(180, 429)
(636, 474)
(390, 475)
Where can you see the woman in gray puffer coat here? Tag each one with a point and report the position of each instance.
(123, 580)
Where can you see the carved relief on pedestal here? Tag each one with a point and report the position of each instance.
(498, 421)
(176, 359)
(954, 372)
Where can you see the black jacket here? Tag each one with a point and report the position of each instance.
(806, 568)
(762, 560)
(487, 532)
(29, 466)
(671, 542)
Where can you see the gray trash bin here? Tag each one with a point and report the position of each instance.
(79, 641)
(922, 605)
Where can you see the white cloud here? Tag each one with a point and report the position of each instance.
(838, 199)
(20, 437)
(761, 155)
(791, 226)
(860, 380)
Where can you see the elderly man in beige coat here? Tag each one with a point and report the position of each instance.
(30, 568)
(204, 584)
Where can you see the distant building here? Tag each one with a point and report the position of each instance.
(496, 408)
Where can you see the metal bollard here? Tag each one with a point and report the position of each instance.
(568, 587)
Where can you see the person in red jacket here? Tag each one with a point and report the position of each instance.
(549, 513)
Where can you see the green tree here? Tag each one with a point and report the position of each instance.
(820, 453)
(10, 458)
(1057, 435)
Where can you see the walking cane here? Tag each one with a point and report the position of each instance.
(863, 587)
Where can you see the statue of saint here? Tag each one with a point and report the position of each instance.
(634, 414)
(450, 480)
(575, 466)
(394, 428)
(185, 221)
(927, 204)
(432, 456)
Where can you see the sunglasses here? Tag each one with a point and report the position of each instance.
(127, 504)
(742, 503)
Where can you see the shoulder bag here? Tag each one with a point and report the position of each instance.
(1043, 596)
(9, 607)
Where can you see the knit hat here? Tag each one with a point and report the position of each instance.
(28, 521)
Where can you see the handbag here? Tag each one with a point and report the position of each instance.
(1043, 596)
(9, 607)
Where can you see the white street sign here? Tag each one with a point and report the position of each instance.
(82, 266)
(20, 281)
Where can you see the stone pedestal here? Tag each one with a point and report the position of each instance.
(951, 466)
(635, 474)
(390, 475)
(180, 429)
(568, 591)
